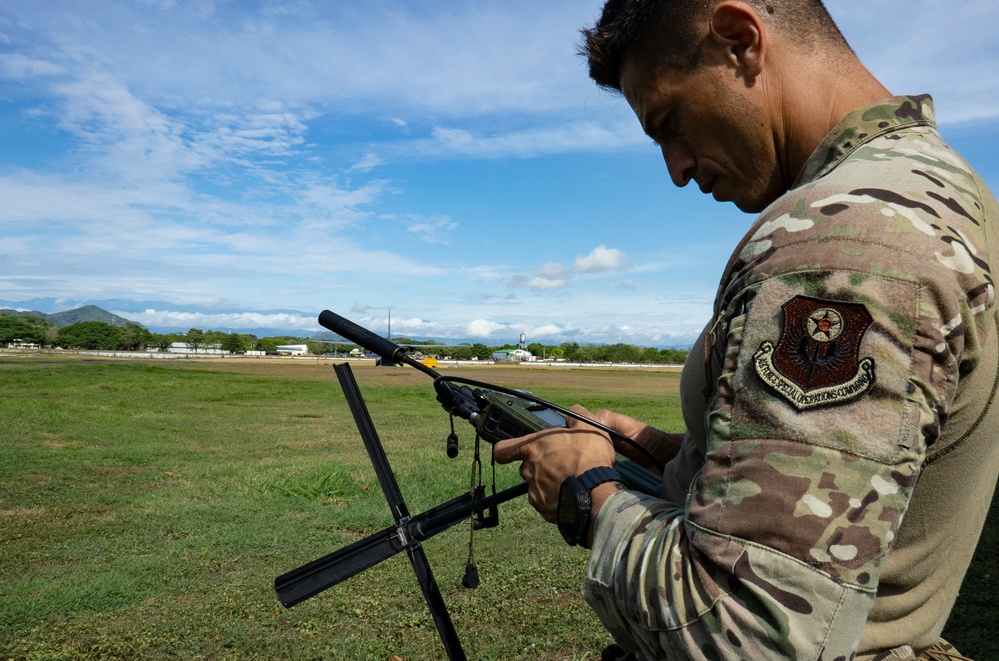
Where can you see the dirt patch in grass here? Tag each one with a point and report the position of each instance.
(57, 445)
(26, 513)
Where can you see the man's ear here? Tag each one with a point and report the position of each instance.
(739, 35)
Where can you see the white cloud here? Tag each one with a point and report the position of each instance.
(547, 330)
(539, 283)
(220, 321)
(552, 275)
(602, 259)
(367, 163)
(483, 328)
(548, 276)
(552, 271)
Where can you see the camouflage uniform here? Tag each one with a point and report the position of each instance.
(847, 380)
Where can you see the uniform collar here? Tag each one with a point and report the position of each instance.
(863, 125)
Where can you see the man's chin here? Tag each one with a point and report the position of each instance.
(751, 204)
(747, 201)
(747, 206)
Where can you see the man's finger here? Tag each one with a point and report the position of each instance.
(573, 423)
(512, 449)
(519, 449)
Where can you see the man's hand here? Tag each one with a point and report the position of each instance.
(663, 445)
(548, 457)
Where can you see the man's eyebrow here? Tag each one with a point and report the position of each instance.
(644, 115)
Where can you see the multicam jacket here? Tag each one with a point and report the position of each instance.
(848, 379)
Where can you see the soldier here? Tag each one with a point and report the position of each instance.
(847, 380)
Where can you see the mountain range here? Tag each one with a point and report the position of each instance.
(96, 313)
(74, 316)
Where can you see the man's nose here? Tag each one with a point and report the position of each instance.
(680, 164)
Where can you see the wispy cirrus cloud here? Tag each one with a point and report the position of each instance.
(15, 66)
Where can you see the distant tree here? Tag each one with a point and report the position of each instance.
(214, 338)
(90, 335)
(160, 341)
(555, 352)
(17, 327)
(249, 340)
(618, 353)
(537, 349)
(481, 351)
(674, 356)
(134, 337)
(462, 352)
(267, 344)
(648, 355)
(232, 343)
(195, 339)
(570, 350)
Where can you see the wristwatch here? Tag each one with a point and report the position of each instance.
(574, 503)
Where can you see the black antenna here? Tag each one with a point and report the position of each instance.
(406, 535)
(387, 349)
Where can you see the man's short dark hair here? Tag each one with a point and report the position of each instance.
(668, 31)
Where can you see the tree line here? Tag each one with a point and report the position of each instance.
(97, 335)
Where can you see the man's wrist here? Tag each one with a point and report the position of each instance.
(575, 502)
(598, 495)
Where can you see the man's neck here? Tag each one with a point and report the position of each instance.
(812, 99)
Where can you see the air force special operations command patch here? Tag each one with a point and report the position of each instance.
(817, 359)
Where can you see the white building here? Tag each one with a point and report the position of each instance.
(292, 349)
(518, 355)
(184, 347)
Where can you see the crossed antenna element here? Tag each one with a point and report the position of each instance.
(408, 531)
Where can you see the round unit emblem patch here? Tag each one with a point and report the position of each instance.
(825, 325)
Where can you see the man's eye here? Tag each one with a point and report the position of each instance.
(665, 130)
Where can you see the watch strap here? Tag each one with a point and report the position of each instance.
(597, 476)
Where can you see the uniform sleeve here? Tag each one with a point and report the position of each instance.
(833, 382)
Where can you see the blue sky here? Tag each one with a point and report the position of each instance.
(245, 164)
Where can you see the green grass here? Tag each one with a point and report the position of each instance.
(146, 508)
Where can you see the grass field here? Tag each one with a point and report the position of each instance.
(146, 507)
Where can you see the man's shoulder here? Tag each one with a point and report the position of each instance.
(906, 192)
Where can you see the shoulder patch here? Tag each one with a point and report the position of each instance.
(817, 359)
